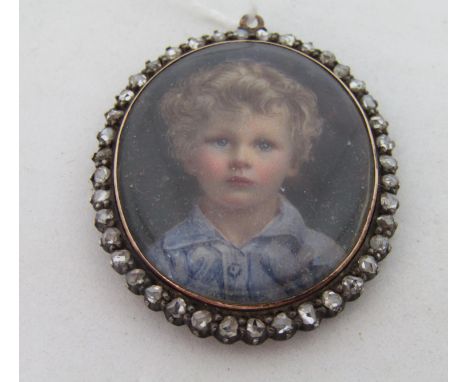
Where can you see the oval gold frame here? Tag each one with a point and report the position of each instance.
(266, 306)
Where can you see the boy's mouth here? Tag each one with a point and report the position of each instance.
(240, 181)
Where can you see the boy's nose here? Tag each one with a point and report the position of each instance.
(240, 159)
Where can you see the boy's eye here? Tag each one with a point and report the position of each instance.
(264, 145)
(219, 142)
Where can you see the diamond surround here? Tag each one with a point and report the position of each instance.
(232, 326)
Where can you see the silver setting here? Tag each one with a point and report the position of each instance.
(218, 36)
(136, 280)
(357, 86)
(175, 311)
(153, 297)
(113, 116)
(369, 103)
(379, 246)
(307, 47)
(103, 157)
(262, 34)
(327, 58)
(389, 202)
(101, 199)
(111, 239)
(102, 177)
(242, 34)
(308, 316)
(200, 323)
(106, 136)
(390, 183)
(152, 66)
(384, 144)
(378, 124)
(352, 286)
(125, 96)
(341, 71)
(137, 81)
(386, 225)
(172, 53)
(228, 330)
(284, 327)
(287, 39)
(368, 266)
(104, 219)
(332, 301)
(195, 43)
(121, 261)
(256, 331)
(389, 164)
(202, 320)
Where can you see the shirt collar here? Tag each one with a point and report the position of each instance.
(197, 229)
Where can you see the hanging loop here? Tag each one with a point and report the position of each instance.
(251, 23)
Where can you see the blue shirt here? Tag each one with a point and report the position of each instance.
(283, 260)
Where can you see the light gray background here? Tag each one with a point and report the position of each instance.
(77, 320)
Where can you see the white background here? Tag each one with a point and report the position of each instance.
(77, 320)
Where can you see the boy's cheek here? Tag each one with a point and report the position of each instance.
(265, 174)
(208, 164)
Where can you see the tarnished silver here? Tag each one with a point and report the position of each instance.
(136, 280)
(103, 157)
(137, 81)
(388, 163)
(357, 86)
(111, 239)
(327, 58)
(200, 323)
(368, 266)
(308, 316)
(389, 202)
(369, 103)
(284, 327)
(195, 43)
(172, 53)
(114, 116)
(378, 124)
(228, 330)
(390, 183)
(102, 177)
(379, 246)
(256, 331)
(101, 199)
(104, 218)
(106, 136)
(287, 39)
(384, 143)
(175, 311)
(341, 71)
(352, 286)
(332, 301)
(121, 261)
(386, 225)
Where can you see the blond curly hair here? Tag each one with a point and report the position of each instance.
(234, 86)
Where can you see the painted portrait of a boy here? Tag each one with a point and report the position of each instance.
(243, 129)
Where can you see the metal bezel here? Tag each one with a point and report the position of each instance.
(229, 323)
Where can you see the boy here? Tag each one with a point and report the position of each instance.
(241, 129)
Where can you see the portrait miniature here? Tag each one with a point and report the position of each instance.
(243, 130)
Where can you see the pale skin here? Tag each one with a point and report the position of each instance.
(240, 161)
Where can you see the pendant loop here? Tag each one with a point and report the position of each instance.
(245, 23)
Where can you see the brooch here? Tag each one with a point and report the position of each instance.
(244, 185)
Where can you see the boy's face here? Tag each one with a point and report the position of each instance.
(241, 161)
